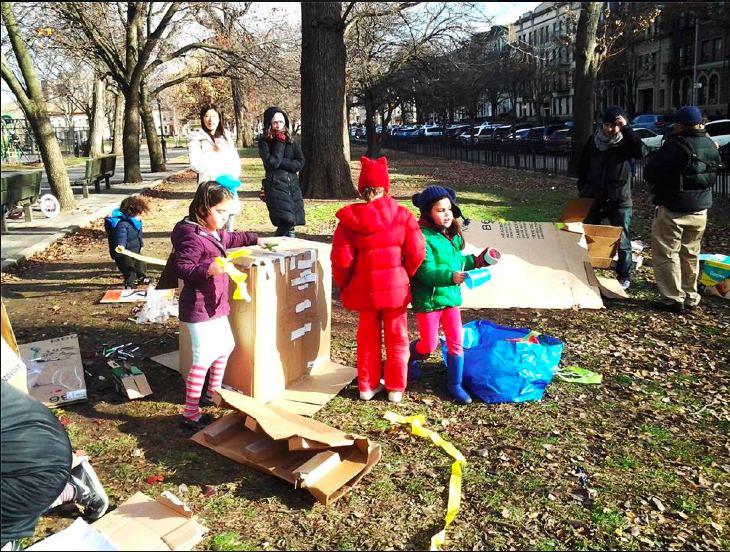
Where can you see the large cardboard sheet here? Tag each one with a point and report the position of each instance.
(542, 267)
(55, 370)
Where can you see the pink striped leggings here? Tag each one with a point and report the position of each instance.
(212, 343)
(428, 328)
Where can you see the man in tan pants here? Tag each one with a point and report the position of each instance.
(682, 175)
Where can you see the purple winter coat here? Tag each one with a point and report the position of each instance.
(203, 297)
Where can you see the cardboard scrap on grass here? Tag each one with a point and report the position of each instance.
(302, 451)
(129, 380)
(55, 370)
(140, 523)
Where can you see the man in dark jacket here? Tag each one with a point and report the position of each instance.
(605, 174)
(682, 175)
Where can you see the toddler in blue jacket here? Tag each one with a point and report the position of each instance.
(124, 227)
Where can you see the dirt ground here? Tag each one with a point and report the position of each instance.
(652, 440)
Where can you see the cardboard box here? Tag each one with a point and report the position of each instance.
(142, 523)
(283, 335)
(13, 368)
(55, 370)
(715, 275)
(129, 380)
(131, 295)
(602, 241)
(327, 475)
(541, 267)
(7, 329)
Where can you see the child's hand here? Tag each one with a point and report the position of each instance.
(214, 269)
(262, 243)
(458, 277)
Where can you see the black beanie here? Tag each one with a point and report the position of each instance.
(610, 113)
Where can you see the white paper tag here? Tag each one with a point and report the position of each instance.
(296, 334)
(302, 306)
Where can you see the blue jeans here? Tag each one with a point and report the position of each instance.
(622, 218)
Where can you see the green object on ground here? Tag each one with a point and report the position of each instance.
(574, 374)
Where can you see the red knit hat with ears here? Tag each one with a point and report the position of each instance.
(374, 174)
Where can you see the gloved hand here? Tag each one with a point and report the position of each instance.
(489, 257)
(280, 136)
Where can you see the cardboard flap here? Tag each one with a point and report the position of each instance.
(324, 382)
(175, 504)
(180, 537)
(577, 209)
(279, 424)
(611, 289)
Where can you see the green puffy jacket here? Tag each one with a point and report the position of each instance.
(432, 288)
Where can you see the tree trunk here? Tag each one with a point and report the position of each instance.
(130, 136)
(118, 123)
(326, 172)
(346, 132)
(237, 93)
(586, 71)
(34, 105)
(373, 150)
(154, 145)
(96, 128)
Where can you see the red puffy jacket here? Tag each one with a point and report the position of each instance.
(376, 249)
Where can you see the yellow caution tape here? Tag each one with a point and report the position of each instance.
(236, 275)
(416, 422)
(149, 260)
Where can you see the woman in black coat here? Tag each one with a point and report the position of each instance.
(282, 159)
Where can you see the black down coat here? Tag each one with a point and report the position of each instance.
(282, 162)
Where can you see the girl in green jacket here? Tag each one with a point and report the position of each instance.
(436, 295)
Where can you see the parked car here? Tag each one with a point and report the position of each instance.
(657, 123)
(432, 131)
(537, 137)
(519, 135)
(719, 131)
(481, 135)
(501, 133)
(559, 141)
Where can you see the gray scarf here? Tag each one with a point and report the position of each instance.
(603, 142)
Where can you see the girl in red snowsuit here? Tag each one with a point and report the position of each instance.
(376, 249)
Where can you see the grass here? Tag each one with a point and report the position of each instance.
(68, 161)
(656, 424)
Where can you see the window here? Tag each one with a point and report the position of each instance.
(702, 91)
(713, 91)
(705, 51)
(717, 49)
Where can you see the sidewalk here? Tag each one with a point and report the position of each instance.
(25, 239)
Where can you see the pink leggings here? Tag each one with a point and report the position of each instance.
(428, 328)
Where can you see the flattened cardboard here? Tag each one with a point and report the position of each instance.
(142, 523)
(263, 444)
(283, 335)
(77, 537)
(6, 328)
(541, 267)
(13, 369)
(55, 370)
(131, 295)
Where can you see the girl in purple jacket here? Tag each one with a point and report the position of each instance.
(198, 239)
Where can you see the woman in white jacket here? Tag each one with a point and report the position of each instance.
(213, 153)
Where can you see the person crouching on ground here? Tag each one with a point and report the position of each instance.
(682, 175)
(435, 287)
(376, 248)
(198, 239)
(124, 228)
(605, 173)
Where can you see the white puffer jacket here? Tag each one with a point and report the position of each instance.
(210, 164)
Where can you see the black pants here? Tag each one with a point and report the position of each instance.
(285, 231)
(36, 462)
(131, 269)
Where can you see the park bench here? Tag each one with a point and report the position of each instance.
(97, 169)
(22, 188)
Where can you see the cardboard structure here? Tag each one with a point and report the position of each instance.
(302, 451)
(55, 370)
(542, 266)
(130, 295)
(13, 369)
(602, 241)
(129, 380)
(283, 335)
(142, 523)
(7, 329)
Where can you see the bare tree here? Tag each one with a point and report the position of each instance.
(27, 89)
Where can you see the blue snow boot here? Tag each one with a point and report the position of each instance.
(455, 371)
(414, 370)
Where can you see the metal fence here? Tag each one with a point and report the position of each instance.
(505, 154)
(19, 143)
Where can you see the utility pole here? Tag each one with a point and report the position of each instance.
(694, 72)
